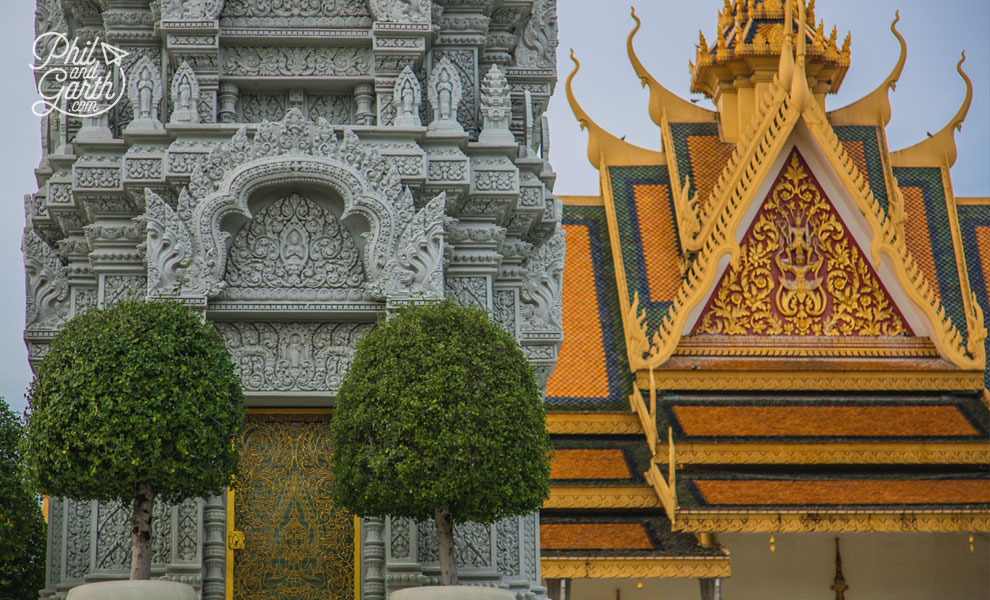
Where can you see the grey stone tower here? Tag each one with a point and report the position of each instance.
(294, 168)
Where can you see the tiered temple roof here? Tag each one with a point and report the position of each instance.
(771, 323)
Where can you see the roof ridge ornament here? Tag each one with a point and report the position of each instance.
(939, 149)
(785, 70)
(602, 145)
(663, 100)
(876, 104)
(800, 94)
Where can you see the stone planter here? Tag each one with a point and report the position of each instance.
(452, 592)
(133, 590)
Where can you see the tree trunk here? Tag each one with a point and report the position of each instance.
(445, 545)
(141, 533)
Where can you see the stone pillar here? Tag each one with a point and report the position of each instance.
(711, 589)
(373, 559)
(214, 548)
(228, 102)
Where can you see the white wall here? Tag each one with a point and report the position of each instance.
(876, 566)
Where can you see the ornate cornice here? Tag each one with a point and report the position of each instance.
(601, 496)
(619, 567)
(833, 453)
(593, 424)
(815, 380)
(831, 521)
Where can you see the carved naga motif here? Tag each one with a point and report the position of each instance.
(800, 273)
(175, 265)
(541, 290)
(416, 270)
(47, 284)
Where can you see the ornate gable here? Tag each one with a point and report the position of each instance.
(800, 272)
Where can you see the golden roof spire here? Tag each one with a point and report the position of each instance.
(941, 146)
(800, 94)
(601, 143)
(876, 104)
(785, 72)
(663, 100)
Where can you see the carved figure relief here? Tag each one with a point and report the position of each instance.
(401, 11)
(192, 9)
(445, 96)
(47, 284)
(801, 272)
(185, 95)
(343, 11)
(292, 357)
(144, 91)
(540, 293)
(294, 248)
(407, 96)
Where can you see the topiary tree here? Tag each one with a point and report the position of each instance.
(131, 402)
(440, 417)
(22, 527)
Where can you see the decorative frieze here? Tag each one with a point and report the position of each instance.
(293, 61)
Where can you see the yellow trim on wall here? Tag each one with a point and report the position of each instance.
(229, 579)
(835, 453)
(596, 567)
(972, 200)
(581, 200)
(814, 380)
(800, 521)
(594, 423)
(357, 557)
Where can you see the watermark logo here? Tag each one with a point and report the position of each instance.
(78, 82)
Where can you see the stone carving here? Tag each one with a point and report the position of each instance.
(530, 546)
(295, 8)
(399, 547)
(416, 270)
(292, 357)
(367, 183)
(401, 11)
(294, 248)
(496, 108)
(507, 546)
(373, 559)
(123, 287)
(161, 533)
(538, 49)
(473, 545)
(467, 290)
(185, 95)
(187, 534)
(426, 538)
(77, 538)
(47, 284)
(256, 108)
(445, 96)
(540, 292)
(113, 538)
(335, 108)
(214, 548)
(307, 61)
(505, 310)
(175, 266)
(144, 92)
(407, 95)
(192, 9)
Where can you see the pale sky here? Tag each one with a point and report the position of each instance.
(927, 96)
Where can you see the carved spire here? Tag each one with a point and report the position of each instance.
(407, 96)
(785, 71)
(800, 94)
(839, 584)
(496, 108)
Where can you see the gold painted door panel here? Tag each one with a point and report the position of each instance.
(296, 544)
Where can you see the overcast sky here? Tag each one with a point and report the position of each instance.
(928, 94)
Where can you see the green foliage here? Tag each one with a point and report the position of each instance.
(22, 527)
(440, 410)
(140, 393)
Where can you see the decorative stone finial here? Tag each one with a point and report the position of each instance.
(445, 97)
(407, 96)
(185, 95)
(496, 108)
(144, 91)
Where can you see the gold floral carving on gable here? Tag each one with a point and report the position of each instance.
(800, 272)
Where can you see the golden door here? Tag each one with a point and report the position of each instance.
(286, 539)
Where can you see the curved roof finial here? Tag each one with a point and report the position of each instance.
(785, 72)
(663, 100)
(800, 94)
(602, 144)
(942, 145)
(876, 104)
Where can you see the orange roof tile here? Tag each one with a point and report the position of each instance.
(919, 242)
(845, 491)
(837, 421)
(605, 463)
(659, 238)
(594, 536)
(581, 370)
(708, 155)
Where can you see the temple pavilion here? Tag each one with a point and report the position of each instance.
(773, 377)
